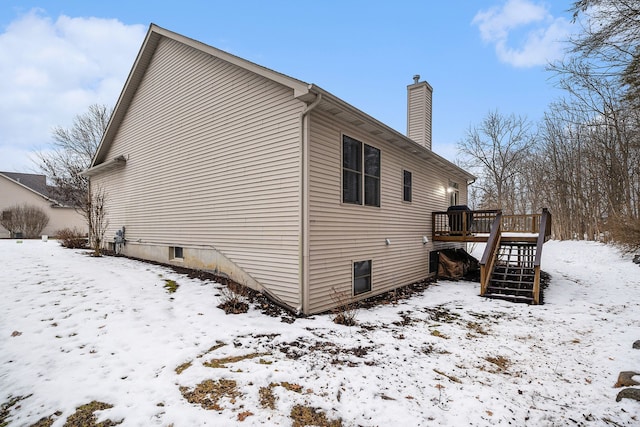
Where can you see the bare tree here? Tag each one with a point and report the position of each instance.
(27, 220)
(98, 221)
(496, 149)
(73, 152)
(610, 37)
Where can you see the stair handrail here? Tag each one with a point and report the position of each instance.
(489, 256)
(544, 231)
(543, 234)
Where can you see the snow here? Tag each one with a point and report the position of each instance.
(75, 328)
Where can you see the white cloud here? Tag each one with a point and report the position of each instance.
(52, 71)
(541, 34)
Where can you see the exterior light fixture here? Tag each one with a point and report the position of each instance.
(387, 242)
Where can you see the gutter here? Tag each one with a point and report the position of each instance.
(113, 163)
(304, 191)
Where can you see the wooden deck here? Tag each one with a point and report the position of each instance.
(510, 265)
(475, 226)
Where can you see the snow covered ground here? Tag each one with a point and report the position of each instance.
(76, 329)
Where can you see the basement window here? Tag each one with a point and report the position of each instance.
(361, 277)
(176, 253)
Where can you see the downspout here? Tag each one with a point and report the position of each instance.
(304, 191)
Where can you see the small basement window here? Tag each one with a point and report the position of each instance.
(176, 252)
(361, 277)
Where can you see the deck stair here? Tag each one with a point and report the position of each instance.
(513, 275)
(510, 265)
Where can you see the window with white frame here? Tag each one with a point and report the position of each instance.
(176, 253)
(360, 173)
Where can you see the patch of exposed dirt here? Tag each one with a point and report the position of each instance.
(441, 314)
(339, 355)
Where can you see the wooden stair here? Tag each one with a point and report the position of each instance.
(510, 265)
(513, 274)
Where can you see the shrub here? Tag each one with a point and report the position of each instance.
(72, 239)
(233, 299)
(345, 308)
(25, 219)
(625, 231)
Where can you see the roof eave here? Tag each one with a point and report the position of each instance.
(153, 37)
(391, 135)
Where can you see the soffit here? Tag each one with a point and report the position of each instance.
(334, 106)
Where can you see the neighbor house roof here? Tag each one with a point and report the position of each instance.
(303, 91)
(35, 183)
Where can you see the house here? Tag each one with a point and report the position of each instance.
(31, 189)
(213, 162)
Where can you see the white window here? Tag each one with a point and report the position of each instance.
(176, 253)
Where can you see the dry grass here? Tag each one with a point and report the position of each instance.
(243, 415)
(308, 416)
(290, 386)
(85, 416)
(209, 393)
(500, 361)
(346, 308)
(216, 346)
(450, 377)
(222, 362)
(437, 333)
(267, 398)
(170, 285)
(180, 369)
(477, 328)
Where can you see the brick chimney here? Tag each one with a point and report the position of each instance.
(419, 95)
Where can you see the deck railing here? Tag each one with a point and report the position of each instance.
(467, 226)
(461, 225)
(528, 223)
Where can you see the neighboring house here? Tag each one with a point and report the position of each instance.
(32, 189)
(213, 162)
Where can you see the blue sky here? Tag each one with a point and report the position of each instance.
(58, 57)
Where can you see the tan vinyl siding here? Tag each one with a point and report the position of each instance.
(340, 234)
(419, 114)
(213, 160)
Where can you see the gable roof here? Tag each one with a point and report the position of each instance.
(304, 92)
(34, 182)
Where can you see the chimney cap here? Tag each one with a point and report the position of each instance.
(416, 77)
